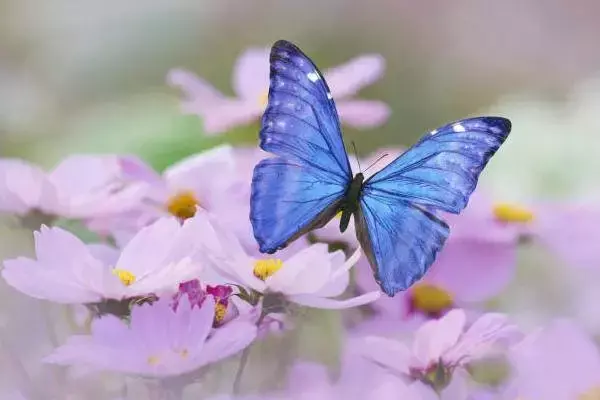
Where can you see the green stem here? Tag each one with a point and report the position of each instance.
(244, 359)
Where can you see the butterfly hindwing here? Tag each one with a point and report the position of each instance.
(302, 187)
(441, 170)
(399, 239)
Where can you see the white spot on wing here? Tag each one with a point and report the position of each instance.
(433, 132)
(329, 96)
(312, 76)
(458, 128)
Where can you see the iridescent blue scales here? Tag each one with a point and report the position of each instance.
(309, 180)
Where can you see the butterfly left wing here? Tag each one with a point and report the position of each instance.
(300, 189)
(396, 225)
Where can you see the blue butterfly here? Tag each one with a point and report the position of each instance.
(310, 179)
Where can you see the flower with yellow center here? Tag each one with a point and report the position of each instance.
(126, 277)
(266, 268)
(183, 205)
(507, 212)
(430, 299)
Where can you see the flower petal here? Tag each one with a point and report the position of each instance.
(490, 332)
(347, 79)
(251, 74)
(390, 354)
(473, 270)
(299, 275)
(23, 187)
(199, 95)
(227, 341)
(363, 114)
(435, 337)
(333, 304)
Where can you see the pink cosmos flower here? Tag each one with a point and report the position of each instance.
(251, 84)
(311, 277)
(158, 341)
(204, 180)
(559, 362)
(157, 259)
(81, 186)
(442, 346)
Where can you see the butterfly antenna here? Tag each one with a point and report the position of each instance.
(376, 161)
(356, 155)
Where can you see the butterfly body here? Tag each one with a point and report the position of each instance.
(310, 180)
(351, 201)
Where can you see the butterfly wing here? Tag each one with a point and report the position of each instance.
(395, 225)
(302, 187)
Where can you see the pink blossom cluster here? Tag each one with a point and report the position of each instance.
(174, 289)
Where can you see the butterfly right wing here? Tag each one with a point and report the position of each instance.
(300, 189)
(400, 239)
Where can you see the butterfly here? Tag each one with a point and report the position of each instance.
(309, 180)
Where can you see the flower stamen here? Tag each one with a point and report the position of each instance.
(507, 212)
(266, 268)
(183, 205)
(126, 277)
(430, 299)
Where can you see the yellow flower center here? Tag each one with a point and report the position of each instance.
(220, 312)
(125, 276)
(153, 360)
(507, 212)
(592, 394)
(263, 99)
(430, 299)
(266, 268)
(183, 205)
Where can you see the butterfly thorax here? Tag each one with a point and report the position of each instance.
(351, 198)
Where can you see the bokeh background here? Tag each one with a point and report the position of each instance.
(89, 76)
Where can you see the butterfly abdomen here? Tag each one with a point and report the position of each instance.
(351, 198)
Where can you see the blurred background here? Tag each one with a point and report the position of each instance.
(88, 76)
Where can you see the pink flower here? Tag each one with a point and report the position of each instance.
(251, 84)
(311, 276)
(559, 362)
(204, 180)
(81, 186)
(157, 342)
(442, 346)
(157, 259)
